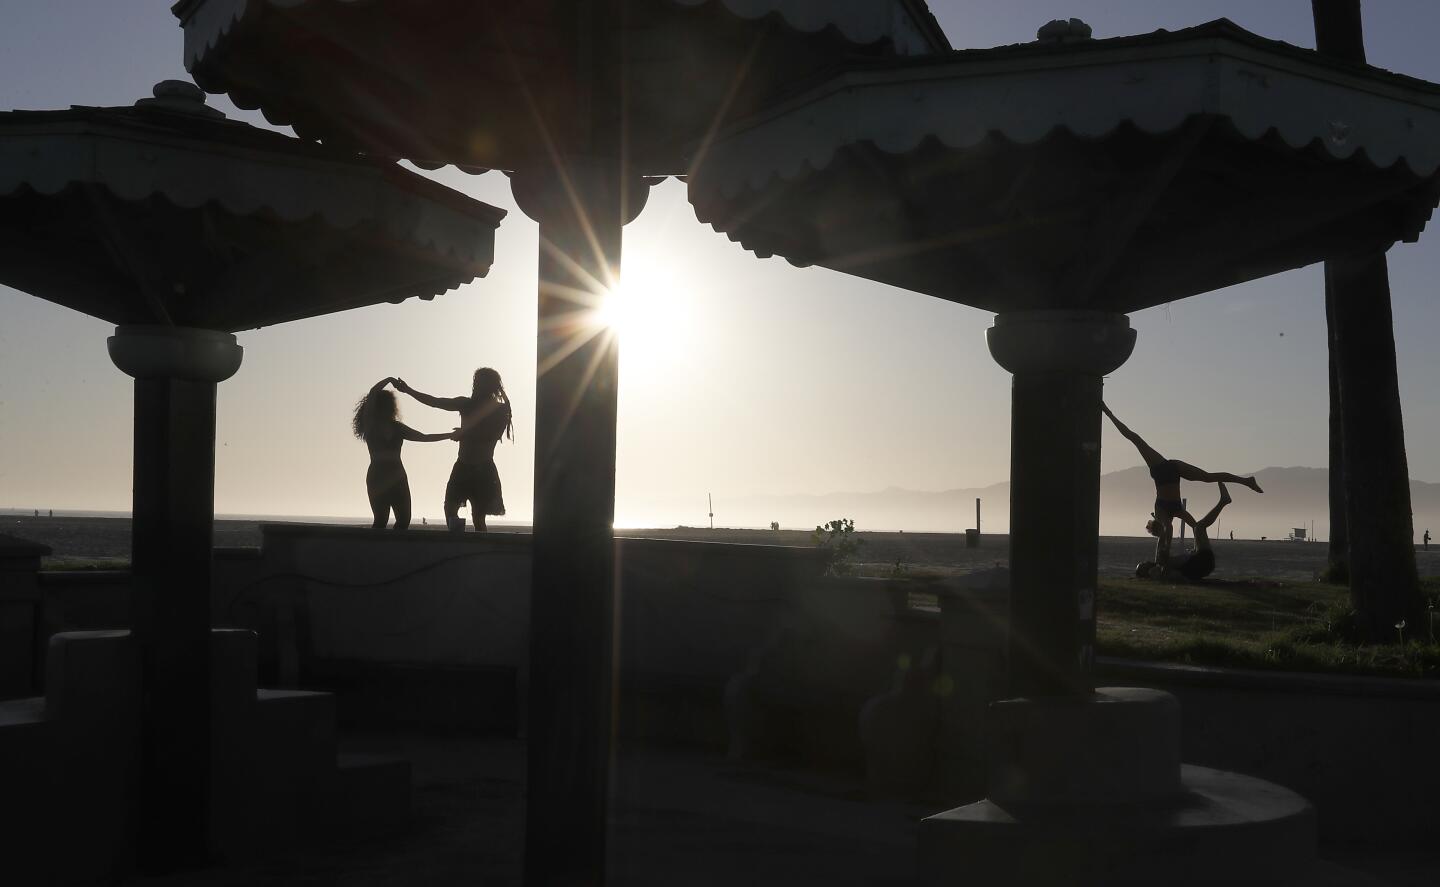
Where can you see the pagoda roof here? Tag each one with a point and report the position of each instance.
(95, 199)
(501, 84)
(1100, 173)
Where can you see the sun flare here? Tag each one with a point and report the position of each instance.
(649, 313)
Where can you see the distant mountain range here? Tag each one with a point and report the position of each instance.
(1294, 497)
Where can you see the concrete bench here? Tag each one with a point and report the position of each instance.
(836, 647)
(69, 762)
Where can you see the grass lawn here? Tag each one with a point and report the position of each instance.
(72, 564)
(1253, 623)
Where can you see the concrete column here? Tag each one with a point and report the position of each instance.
(572, 603)
(1058, 359)
(176, 370)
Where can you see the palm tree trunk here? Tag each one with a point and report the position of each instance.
(1337, 567)
(1384, 587)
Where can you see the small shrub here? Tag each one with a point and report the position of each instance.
(837, 540)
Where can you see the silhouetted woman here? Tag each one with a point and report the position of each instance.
(377, 422)
(1196, 566)
(1167, 474)
(485, 417)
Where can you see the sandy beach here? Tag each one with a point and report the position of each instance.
(103, 539)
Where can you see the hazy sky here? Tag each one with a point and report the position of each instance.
(774, 380)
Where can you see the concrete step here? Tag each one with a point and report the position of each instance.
(27, 770)
(298, 722)
(22, 712)
(294, 760)
(370, 794)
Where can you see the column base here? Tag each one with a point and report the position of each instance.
(1091, 792)
(1120, 745)
(1223, 828)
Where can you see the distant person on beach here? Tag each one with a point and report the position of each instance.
(1427, 538)
(1201, 563)
(377, 422)
(485, 417)
(1167, 474)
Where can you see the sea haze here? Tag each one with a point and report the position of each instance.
(1294, 497)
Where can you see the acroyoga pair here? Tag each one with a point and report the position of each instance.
(1167, 474)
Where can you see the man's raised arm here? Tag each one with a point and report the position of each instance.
(439, 403)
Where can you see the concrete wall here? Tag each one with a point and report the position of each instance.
(975, 621)
(21, 618)
(431, 627)
(86, 600)
(421, 597)
(1361, 749)
(34, 606)
(691, 616)
(830, 648)
(417, 614)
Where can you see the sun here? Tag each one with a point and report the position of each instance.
(649, 312)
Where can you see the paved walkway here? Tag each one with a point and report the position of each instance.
(681, 817)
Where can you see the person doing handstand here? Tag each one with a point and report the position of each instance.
(377, 422)
(1200, 564)
(485, 417)
(1167, 474)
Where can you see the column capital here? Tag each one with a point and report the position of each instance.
(175, 352)
(551, 192)
(1087, 343)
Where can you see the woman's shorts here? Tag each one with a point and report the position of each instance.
(477, 484)
(1170, 507)
(384, 480)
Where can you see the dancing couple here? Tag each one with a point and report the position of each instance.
(485, 417)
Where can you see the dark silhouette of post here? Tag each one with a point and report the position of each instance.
(1384, 585)
(1338, 554)
(582, 200)
(572, 607)
(1339, 31)
(1058, 359)
(1378, 526)
(176, 371)
(170, 570)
